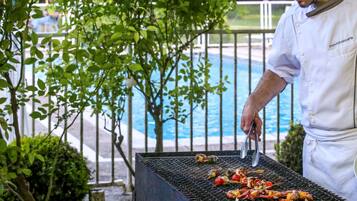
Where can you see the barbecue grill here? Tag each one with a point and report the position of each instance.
(176, 176)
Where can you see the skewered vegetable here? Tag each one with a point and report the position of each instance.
(252, 194)
(221, 181)
(213, 173)
(203, 158)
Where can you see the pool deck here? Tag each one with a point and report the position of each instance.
(242, 52)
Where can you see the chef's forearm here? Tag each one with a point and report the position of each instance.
(268, 87)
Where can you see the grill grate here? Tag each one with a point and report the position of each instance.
(182, 172)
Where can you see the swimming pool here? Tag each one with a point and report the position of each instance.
(228, 105)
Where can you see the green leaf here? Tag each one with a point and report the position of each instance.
(135, 67)
(31, 158)
(6, 67)
(31, 88)
(151, 28)
(30, 60)
(3, 84)
(39, 54)
(11, 175)
(5, 44)
(41, 84)
(132, 29)
(27, 172)
(136, 37)
(33, 51)
(12, 154)
(14, 60)
(55, 43)
(2, 146)
(35, 115)
(3, 100)
(71, 68)
(93, 69)
(3, 123)
(34, 38)
(46, 40)
(73, 98)
(65, 57)
(41, 93)
(144, 34)
(37, 13)
(40, 157)
(116, 36)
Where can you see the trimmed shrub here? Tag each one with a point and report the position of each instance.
(71, 175)
(289, 152)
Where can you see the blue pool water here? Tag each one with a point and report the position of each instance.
(228, 105)
(213, 104)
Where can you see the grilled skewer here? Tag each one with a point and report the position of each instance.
(251, 194)
(203, 158)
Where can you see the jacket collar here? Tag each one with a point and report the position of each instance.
(325, 7)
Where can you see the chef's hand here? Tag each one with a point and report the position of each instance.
(249, 115)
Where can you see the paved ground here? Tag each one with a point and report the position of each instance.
(114, 194)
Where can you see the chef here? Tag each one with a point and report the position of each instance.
(316, 41)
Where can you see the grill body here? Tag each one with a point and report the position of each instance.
(176, 176)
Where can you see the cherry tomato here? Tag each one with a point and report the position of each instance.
(219, 181)
(268, 184)
(236, 177)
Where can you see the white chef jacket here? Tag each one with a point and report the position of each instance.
(322, 51)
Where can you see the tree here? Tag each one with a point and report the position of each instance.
(68, 83)
(162, 30)
(15, 40)
(105, 37)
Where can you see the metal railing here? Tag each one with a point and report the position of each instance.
(108, 169)
(266, 10)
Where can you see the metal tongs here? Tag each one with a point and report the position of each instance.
(244, 147)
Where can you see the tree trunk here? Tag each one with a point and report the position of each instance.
(159, 134)
(23, 188)
(21, 182)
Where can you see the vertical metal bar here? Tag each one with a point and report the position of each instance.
(97, 140)
(78, 45)
(206, 93)
(191, 105)
(49, 97)
(278, 118)
(176, 108)
(220, 95)
(23, 82)
(235, 91)
(130, 139)
(113, 135)
(250, 63)
(264, 112)
(146, 125)
(250, 72)
(146, 114)
(81, 132)
(292, 104)
(33, 100)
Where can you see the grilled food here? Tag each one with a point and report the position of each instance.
(252, 194)
(203, 158)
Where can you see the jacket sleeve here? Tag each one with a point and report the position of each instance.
(282, 60)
